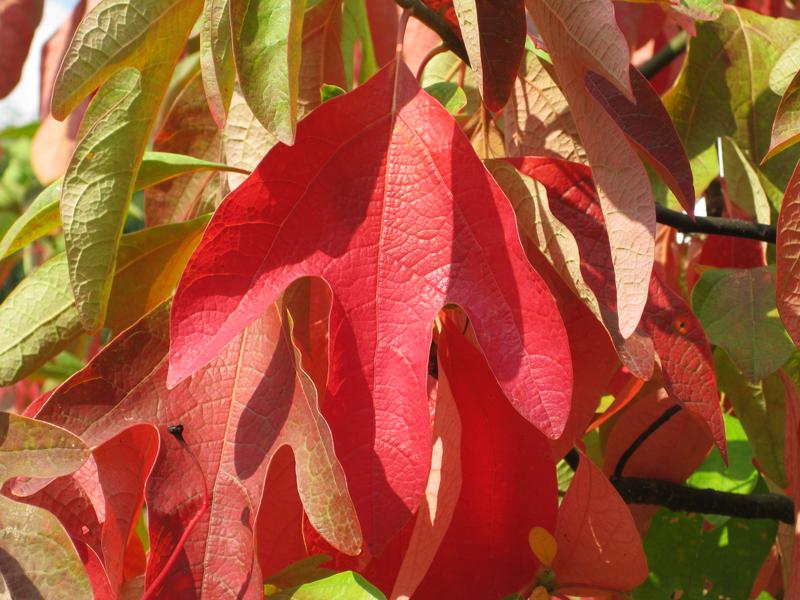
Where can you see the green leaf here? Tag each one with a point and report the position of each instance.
(42, 216)
(684, 557)
(449, 95)
(39, 318)
(328, 91)
(267, 42)
(723, 90)
(742, 182)
(738, 312)
(740, 476)
(355, 28)
(342, 586)
(760, 407)
(785, 69)
(303, 571)
(40, 560)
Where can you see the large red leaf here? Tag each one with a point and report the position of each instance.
(237, 413)
(677, 335)
(508, 486)
(383, 197)
(599, 549)
(787, 254)
(18, 22)
(582, 36)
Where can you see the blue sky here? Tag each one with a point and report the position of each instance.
(22, 105)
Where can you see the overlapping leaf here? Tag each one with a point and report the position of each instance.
(599, 549)
(216, 58)
(322, 61)
(39, 319)
(260, 401)
(724, 90)
(399, 216)
(583, 36)
(574, 237)
(37, 558)
(537, 119)
(129, 52)
(484, 553)
(786, 127)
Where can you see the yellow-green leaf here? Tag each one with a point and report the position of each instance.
(39, 318)
(267, 41)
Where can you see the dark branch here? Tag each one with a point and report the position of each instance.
(635, 490)
(715, 225)
(438, 23)
(674, 48)
(642, 438)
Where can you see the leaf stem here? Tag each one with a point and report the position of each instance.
(674, 48)
(437, 23)
(716, 225)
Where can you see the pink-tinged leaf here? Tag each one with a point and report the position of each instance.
(261, 403)
(572, 200)
(787, 255)
(786, 126)
(599, 548)
(123, 465)
(792, 463)
(397, 213)
(99, 504)
(508, 486)
(648, 125)
(494, 35)
(18, 22)
(687, 364)
(582, 36)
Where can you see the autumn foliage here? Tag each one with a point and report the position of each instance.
(421, 299)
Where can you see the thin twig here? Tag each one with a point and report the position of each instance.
(437, 23)
(642, 438)
(715, 225)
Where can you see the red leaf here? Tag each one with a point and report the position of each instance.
(685, 354)
(508, 486)
(237, 413)
(787, 254)
(648, 125)
(396, 212)
(18, 22)
(599, 548)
